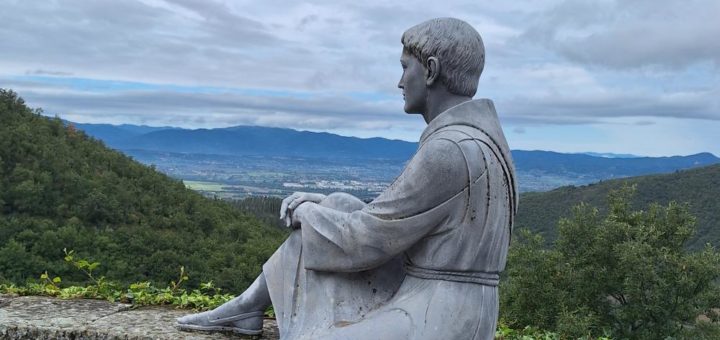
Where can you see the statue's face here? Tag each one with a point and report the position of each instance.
(413, 84)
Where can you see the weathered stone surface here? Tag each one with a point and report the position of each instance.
(32, 317)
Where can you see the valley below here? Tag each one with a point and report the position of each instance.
(240, 176)
(243, 161)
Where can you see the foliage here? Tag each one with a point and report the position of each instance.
(504, 332)
(60, 188)
(627, 273)
(700, 187)
(139, 294)
(264, 208)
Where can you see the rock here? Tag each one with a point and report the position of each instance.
(34, 317)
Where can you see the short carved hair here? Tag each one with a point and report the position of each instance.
(458, 47)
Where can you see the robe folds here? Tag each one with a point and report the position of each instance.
(422, 260)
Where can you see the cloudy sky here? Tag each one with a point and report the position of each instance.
(617, 76)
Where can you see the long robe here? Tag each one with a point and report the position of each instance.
(422, 260)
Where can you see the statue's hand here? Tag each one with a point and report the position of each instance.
(293, 201)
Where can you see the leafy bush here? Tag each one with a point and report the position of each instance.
(627, 274)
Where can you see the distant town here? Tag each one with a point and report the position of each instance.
(237, 177)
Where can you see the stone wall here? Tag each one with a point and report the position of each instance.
(33, 317)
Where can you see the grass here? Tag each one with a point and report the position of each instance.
(205, 186)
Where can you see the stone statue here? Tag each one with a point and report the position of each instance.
(422, 260)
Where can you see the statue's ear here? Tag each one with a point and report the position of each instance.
(433, 71)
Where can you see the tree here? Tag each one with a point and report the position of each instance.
(60, 189)
(627, 273)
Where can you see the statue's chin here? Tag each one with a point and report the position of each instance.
(410, 109)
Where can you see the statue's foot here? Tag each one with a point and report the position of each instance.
(246, 323)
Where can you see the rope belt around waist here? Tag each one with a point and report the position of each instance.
(483, 278)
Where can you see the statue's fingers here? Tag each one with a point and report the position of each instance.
(302, 198)
(287, 222)
(284, 205)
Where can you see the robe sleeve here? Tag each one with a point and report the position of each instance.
(415, 204)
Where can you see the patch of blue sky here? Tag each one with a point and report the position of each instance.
(103, 85)
(373, 96)
(563, 138)
(699, 76)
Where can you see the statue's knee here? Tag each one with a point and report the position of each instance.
(332, 201)
(342, 202)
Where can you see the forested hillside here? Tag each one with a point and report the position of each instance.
(264, 208)
(700, 188)
(62, 189)
(603, 167)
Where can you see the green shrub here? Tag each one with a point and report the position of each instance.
(627, 274)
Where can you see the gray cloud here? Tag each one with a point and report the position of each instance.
(200, 109)
(551, 62)
(631, 34)
(128, 40)
(218, 43)
(594, 108)
(41, 72)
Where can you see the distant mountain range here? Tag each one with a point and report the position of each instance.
(249, 140)
(537, 170)
(554, 162)
(116, 134)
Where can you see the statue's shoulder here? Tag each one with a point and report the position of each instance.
(459, 132)
(471, 119)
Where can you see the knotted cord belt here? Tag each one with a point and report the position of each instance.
(483, 278)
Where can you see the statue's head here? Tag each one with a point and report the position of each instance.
(451, 45)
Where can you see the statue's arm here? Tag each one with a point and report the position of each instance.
(339, 201)
(409, 209)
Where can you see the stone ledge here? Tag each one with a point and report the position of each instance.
(35, 317)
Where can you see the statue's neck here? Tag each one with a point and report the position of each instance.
(438, 103)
